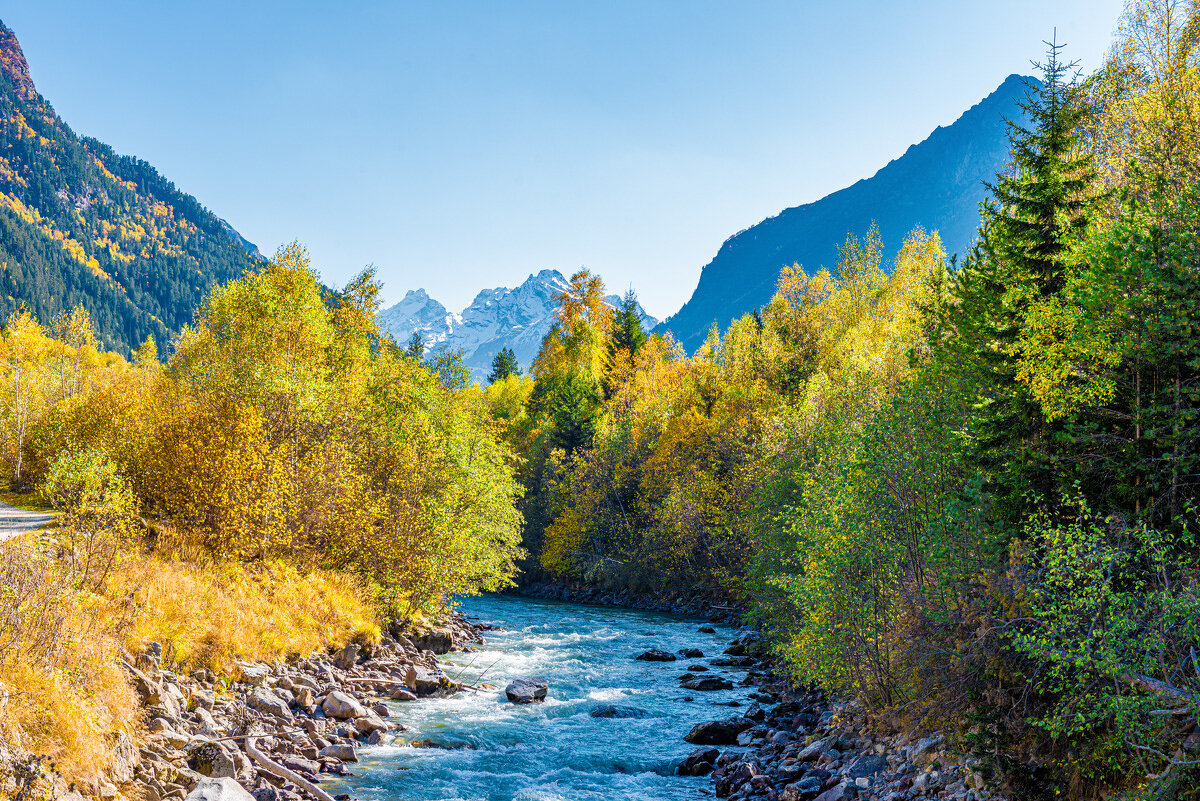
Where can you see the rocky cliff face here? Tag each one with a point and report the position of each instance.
(516, 318)
(937, 184)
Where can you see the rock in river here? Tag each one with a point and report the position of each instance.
(527, 691)
(717, 732)
(707, 684)
(615, 711)
(655, 655)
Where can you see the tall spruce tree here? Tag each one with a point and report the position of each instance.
(626, 339)
(504, 364)
(1035, 213)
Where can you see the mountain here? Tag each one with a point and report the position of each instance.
(937, 184)
(515, 318)
(80, 224)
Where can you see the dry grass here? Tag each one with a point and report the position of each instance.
(63, 693)
(210, 615)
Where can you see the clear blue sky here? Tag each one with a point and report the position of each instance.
(461, 145)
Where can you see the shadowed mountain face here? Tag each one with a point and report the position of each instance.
(81, 225)
(936, 184)
(517, 318)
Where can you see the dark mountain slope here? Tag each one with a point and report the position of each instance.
(936, 183)
(80, 224)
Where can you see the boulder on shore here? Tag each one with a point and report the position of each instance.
(717, 732)
(222, 789)
(342, 706)
(655, 655)
(527, 691)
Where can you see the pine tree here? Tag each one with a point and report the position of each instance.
(504, 364)
(1034, 215)
(625, 340)
(415, 349)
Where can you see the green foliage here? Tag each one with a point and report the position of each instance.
(504, 364)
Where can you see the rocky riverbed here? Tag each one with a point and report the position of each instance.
(276, 731)
(801, 745)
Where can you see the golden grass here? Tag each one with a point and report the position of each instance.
(210, 615)
(63, 693)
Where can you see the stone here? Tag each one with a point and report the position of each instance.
(211, 759)
(923, 747)
(428, 682)
(655, 655)
(340, 752)
(368, 724)
(200, 698)
(527, 691)
(733, 661)
(707, 684)
(254, 673)
(813, 750)
(401, 694)
(347, 657)
(440, 641)
(264, 700)
(616, 711)
(305, 698)
(691, 653)
(706, 630)
(381, 709)
(840, 792)
(868, 765)
(697, 668)
(698, 763)
(159, 724)
(301, 765)
(343, 707)
(717, 732)
(219, 789)
(267, 793)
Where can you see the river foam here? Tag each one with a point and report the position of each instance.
(480, 747)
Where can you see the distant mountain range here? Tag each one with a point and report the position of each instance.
(516, 318)
(80, 224)
(937, 184)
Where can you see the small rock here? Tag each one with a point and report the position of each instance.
(706, 630)
(691, 653)
(527, 691)
(615, 711)
(655, 655)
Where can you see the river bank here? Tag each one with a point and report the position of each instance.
(794, 744)
(277, 730)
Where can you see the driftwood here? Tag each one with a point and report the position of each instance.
(270, 766)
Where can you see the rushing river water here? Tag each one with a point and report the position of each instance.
(492, 749)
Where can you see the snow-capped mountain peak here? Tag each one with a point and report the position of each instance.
(518, 318)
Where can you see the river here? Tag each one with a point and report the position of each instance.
(488, 748)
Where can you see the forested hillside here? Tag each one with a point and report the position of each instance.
(83, 226)
(963, 492)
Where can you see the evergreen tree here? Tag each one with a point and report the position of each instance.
(504, 364)
(415, 349)
(1034, 215)
(625, 340)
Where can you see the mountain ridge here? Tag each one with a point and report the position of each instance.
(936, 183)
(81, 225)
(499, 317)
